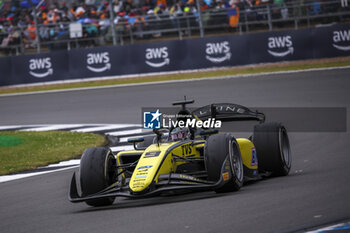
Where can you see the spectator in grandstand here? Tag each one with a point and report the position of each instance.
(233, 14)
(220, 4)
(190, 9)
(12, 39)
(161, 2)
(3, 34)
(149, 15)
(344, 3)
(128, 6)
(284, 12)
(80, 10)
(154, 22)
(104, 23)
(175, 12)
(149, 4)
(90, 2)
(53, 16)
(30, 35)
(117, 6)
(176, 9)
(138, 23)
(315, 8)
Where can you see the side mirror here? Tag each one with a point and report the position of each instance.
(135, 140)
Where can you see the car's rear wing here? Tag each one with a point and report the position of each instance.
(228, 112)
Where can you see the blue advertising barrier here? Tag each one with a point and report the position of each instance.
(5, 72)
(36, 68)
(281, 46)
(177, 55)
(331, 41)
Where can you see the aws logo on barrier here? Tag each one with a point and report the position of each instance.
(218, 52)
(341, 36)
(40, 67)
(98, 62)
(280, 46)
(157, 57)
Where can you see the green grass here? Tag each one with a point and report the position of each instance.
(20, 151)
(287, 66)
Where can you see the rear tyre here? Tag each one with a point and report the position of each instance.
(273, 149)
(97, 172)
(218, 149)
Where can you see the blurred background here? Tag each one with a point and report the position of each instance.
(35, 26)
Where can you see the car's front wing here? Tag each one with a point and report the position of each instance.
(175, 182)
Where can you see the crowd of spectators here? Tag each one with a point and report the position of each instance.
(53, 17)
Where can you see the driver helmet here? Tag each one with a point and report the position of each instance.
(179, 134)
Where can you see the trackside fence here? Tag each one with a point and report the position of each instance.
(174, 55)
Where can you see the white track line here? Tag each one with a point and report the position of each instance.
(106, 127)
(72, 163)
(13, 127)
(127, 132)
(121, 148)
(9, 127)
(52, 127)
(21, 176)
(325, 229)
(65, 163)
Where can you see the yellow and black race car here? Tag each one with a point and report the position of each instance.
(187, 158)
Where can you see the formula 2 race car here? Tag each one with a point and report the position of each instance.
(179, 159)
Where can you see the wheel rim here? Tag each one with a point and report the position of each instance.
(285, 147)
(236, 161)
(110, 169)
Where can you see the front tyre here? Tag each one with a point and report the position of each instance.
(273, 149)
(97, 172)
(221, 149)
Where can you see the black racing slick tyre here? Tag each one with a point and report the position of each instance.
(217, 149)
(97, 172)
(272, 148)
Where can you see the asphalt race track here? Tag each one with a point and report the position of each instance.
(315, 193)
